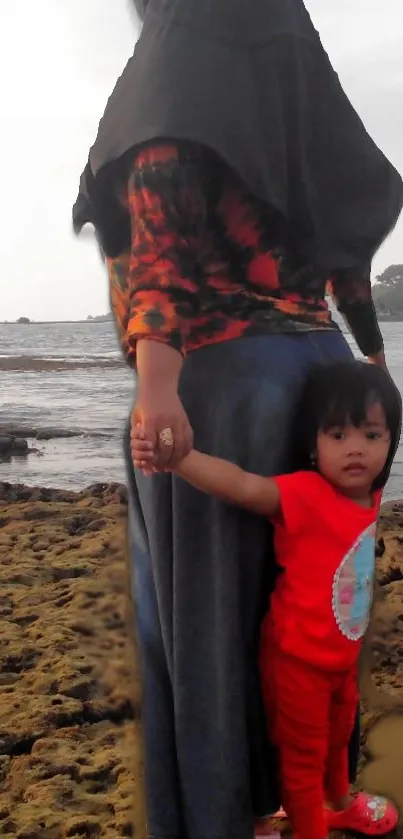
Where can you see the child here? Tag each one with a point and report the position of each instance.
(324, 518)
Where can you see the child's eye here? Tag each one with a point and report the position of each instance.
(373, 435)
(337, 435)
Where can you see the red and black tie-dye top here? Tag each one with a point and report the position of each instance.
(208, 264)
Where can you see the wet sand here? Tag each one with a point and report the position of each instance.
(70, 745)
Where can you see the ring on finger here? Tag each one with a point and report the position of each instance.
(166, 437)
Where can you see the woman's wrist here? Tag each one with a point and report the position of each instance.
(158, 365)
(378, 358)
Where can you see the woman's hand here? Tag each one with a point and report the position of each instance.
(164, 424)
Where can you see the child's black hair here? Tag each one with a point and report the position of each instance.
(341, 392)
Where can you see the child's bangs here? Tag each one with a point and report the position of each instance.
(350, 407)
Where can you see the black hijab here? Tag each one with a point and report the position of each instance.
(250, 80)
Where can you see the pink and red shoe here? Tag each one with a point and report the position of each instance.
(370, 815)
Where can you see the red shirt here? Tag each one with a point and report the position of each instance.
(325, 546)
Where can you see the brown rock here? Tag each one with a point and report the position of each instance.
(70, 757)
(20, 446)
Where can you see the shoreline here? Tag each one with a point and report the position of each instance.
(70, 739)
(104, 493)
(97, 319)
(11, 492)
(15, 491)
(34, 364)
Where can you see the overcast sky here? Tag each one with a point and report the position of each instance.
(59, 60)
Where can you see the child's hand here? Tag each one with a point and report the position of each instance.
(143, 454)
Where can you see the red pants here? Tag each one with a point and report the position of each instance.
(310, 716)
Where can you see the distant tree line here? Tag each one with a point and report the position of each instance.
(95, 319)
(101, 318)
(387, 292)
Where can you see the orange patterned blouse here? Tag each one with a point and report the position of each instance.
(207, 264)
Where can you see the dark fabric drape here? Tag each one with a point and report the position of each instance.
(250, 80)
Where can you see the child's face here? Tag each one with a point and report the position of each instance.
(351, 458)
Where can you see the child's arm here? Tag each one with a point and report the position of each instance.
(230, 483)
(216, 477)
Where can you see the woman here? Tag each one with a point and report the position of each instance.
(230, 184)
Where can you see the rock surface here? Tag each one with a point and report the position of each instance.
(382, 764)
(70, 756)
(11, 431)
(12, 446)
(70, 744)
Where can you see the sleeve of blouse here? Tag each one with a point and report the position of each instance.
(167, 206)
(352, 294)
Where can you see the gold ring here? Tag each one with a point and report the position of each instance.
(166, 437)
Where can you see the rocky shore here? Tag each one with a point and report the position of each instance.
(382, 669)
(70, 744)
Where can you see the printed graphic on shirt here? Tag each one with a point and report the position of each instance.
(353, 586)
